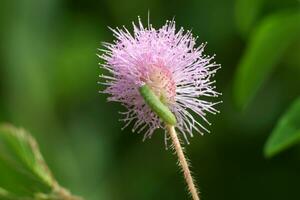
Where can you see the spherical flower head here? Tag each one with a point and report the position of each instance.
(168, 62)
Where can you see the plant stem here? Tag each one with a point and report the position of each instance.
(183, 163)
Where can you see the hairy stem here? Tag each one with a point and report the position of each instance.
(183, 163)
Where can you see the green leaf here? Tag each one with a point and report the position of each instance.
(24, 173)
(246, 13)
(21, 158)
(286, 132)
(267, 45)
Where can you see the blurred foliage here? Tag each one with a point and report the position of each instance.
(246, 13)
(26, 172)
(26, 175)
(266, 47)
(286, 132)
(48, 76)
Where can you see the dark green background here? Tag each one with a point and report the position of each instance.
(48, 85)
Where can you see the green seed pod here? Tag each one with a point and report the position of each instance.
(157, 106)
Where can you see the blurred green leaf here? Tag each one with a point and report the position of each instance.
(4, 195)
(246, 13)
(286, 132)
(265, 48)
(20, 156)
(24, 173)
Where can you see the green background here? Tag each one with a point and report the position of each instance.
(48, 85)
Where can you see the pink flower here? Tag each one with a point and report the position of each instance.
(170, 64)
